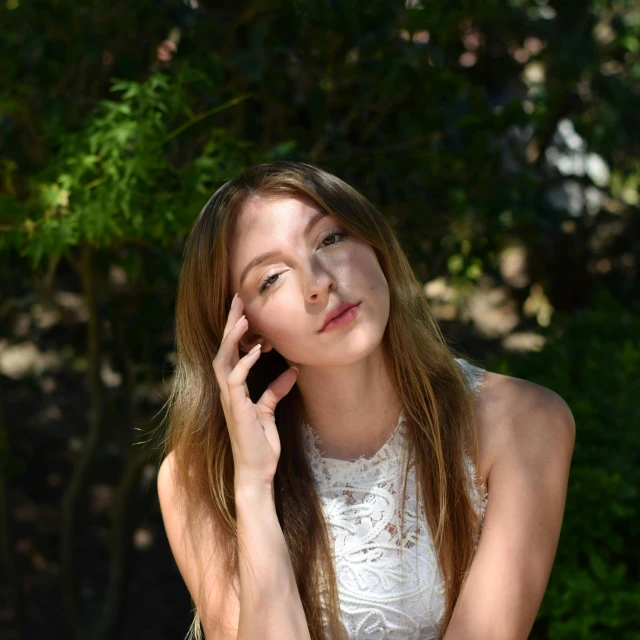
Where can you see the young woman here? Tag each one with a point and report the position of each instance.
(332, 469)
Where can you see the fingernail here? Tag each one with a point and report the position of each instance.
(238, 321)
(256, 348)
(235, 295)
(296, 370)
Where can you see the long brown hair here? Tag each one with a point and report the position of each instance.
(436, 400)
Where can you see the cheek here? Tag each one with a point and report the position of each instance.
(376, 286)
(372, 273)
(276, 328)
(378, 282)
(280, 322)
(290, 336)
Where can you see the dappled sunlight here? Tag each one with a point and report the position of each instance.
(499, 140)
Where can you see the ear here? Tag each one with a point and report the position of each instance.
(250, 339)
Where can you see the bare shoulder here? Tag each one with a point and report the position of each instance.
(513, 413)
(167, 486)
(526, 436)
(165, 473)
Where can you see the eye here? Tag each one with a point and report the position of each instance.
(336, 232)
(269, 281)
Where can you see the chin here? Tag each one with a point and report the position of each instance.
(344, 351)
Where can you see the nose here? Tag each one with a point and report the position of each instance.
(319, 282)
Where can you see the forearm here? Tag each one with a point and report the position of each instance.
(270, 605)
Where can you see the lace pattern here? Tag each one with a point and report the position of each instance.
(389, 584)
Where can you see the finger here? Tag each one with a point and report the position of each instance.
(235, 312)
(227, 357)
(237, 378)
(277, 390)
(228, 351)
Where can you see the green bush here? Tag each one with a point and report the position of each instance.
(592, 360)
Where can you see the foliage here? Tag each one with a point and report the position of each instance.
(446, 115)
(473, 126)
(592, 359)
(113, 182)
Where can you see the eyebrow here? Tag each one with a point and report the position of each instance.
(265, 257)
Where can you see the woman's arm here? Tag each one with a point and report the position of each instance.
(533, 434)
(270, 605)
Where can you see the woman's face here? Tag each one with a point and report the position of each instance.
(313, 268)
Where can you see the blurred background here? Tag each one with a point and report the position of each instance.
(501, 140)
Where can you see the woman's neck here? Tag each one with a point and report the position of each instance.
(353, 409)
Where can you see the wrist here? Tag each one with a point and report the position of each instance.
(250, 491)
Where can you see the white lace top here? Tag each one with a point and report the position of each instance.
(383, 595)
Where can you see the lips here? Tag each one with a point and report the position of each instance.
(339, 310)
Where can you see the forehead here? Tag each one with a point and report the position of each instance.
(262, 212)
(267, 223)
(261, 219)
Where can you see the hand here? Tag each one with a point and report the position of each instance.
(252, 428)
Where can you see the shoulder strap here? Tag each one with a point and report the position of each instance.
(473, 374)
